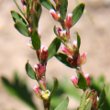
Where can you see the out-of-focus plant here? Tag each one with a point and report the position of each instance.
(63, 48)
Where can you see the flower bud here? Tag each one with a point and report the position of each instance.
(54, 14)
(45, 94)
(40, 70)
(68, 21)
(82, 59)
(37, 90)
(88, 79)
(23, 2)
(74, 80)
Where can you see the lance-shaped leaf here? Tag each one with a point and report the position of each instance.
(53, 48)
(55, 86)
(77, 13)
(63, 105)
(78, 41)
(63, 8)
(46, 4)
(82, 82)
(17, 17)
(22, 28)
(63, 58)
(30, 71)
(36, 42)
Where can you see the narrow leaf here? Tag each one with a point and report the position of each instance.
(63, 105)
(30, 71)
(53, 48)
(46, 4)
(63, 58)
(36, 42)
(23, 29)
(78, 41)
(77, 13)
(17, 17)
(63, 8)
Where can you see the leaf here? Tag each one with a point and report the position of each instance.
(77, 13)
(53, 48)
(82, 82)
(78, 41)
(63, 58)
(30, 71)
(63, 105)
(18, 18)
(46, 4)
(63, 8)
(54, 87)
(36, 42)
(23, 29)
(19, 89)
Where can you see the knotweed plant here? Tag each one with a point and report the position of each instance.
(63, 48)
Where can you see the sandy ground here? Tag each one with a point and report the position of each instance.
(14, 52)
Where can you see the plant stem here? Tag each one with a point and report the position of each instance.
(46, 104)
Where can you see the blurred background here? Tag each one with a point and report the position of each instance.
(93, 28)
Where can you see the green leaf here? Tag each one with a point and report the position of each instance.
(63, 58)
(53, 48)
(77, 13)
(18, 88)
(30, 71)
(63, 105)
(78, 41)
(63, 8)
(36, 42)
(82, 82)
(54, 87)
(46, 4)
(17, 17)
(23, 29)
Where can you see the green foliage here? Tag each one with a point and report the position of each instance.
(19, 89)
(63, 8)
(36, 42)
(30, 71)
(78, 41)
(77, 13)
(63, 105)
(53, 48)
(46, 4)
(63, 58)
(82, 82)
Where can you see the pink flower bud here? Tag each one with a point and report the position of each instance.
(40, 70)
(54, 14)
(68, 21)
(42, 53)
(23, 2)
(66, 50)
(82, 59)
(37, 90)
(74, 80)
(88, 79)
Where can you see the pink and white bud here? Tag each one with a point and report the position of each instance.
(54, 14)
(74, 80)
(37, 90)
(88, 79)
(82, 59)
(68, 21)
(66, 50)
(30, 29)
(40, 70)
(75, 44)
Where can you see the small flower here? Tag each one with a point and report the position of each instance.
(40, 70)
(68, 21)
(82, 59)
(67, 51)
(74, 80)
(54, 14)
(88, 79)
(45, 94)
(37, 90)
(43, 53)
